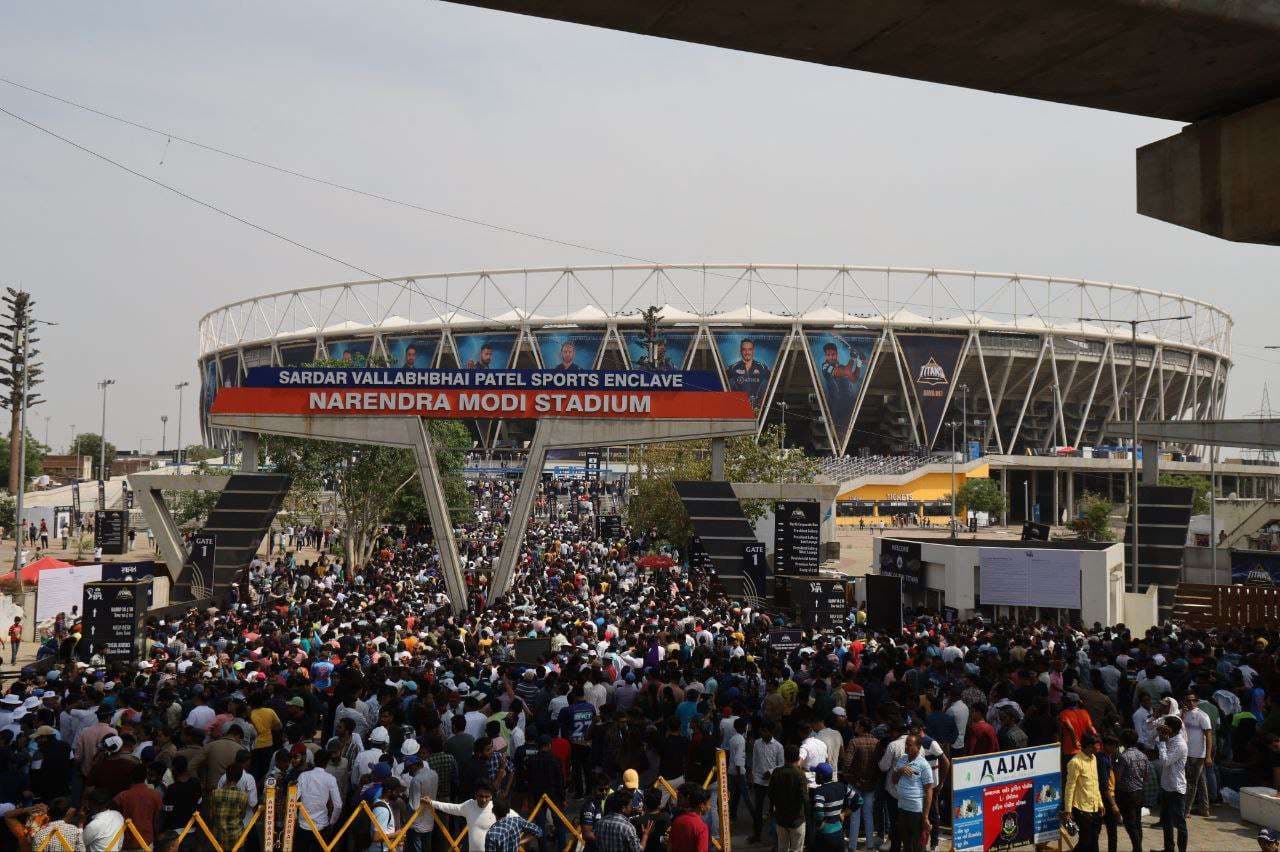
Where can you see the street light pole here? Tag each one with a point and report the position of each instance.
(1133, 404)
(102, 436)
(964, 419)
(953, 425)
(178, 387)
(164, 431)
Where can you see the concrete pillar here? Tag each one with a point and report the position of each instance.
(717, 459)
(1150, 462)
(438, 512)
(520, 509)
(248, 452)
(1004, 489)
(1056, 515)
(1071, 494)
(1219, 176)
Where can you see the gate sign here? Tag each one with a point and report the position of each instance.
(204, 546)
(1007, 799)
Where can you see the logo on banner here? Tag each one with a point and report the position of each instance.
(931, 373)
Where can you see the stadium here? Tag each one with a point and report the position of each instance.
(875, 369)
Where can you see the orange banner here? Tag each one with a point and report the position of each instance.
(489, 405)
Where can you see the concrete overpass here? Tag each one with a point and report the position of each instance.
(1213, 64)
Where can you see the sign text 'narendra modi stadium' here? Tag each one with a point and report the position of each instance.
(614, 395)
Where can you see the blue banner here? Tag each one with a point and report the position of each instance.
(571, 351)
(353, 352)
(1255, 567)
(671, 349)
(749, 360)
(842, 361)
(1007, 799)
(485, 351)
(390, 377)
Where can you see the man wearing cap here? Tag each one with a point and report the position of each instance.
(49, 778)
(88, 740)
(379, 738)
(833, 802)
(1082, 796)
(423, 785)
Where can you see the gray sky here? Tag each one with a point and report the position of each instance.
(658, 149)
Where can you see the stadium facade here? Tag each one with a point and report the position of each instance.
(852, 359)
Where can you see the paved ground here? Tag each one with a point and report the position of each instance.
(1222, 832)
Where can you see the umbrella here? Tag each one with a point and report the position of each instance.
(31, 571)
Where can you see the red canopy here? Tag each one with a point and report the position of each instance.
(31, 571)
(655, 562)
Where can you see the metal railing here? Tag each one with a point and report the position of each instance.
(295, 810)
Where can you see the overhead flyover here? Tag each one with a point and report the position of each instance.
(1213, 64)
(1247, 434)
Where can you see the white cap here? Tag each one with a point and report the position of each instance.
(379, 735)
(409, 747)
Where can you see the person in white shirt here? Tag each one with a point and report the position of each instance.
(737, 764)
(959, 712)
(478, 812)
(766, 756)
(318, 792)
(1172, 750)
(104, 825)
(1199, 732)
(812, 750)
(831, 738)
(1143, 724)
(378, 740)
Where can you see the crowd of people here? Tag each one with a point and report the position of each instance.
(604, 691)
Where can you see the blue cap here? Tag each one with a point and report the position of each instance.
(823, 772)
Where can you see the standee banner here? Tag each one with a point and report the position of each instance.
(1006, 800)
(841, 361)
(931, 369)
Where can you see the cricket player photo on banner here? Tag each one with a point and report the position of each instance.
(749, 360)
(484, 351)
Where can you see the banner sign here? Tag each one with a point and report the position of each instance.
(755, 566)
(842, 362)
(1255, 567)
(112, 614)
(111, 531)
(1007, 799)
(335, 378)
(901, 559)
(931, 367)
(749, 360)
(796, 538)
(1012, 576)
(670, 349)
(785, 640)
(820, 595)
(591, 465)
(495, 405)
(353, 352)
(609, 527)
(569, 351)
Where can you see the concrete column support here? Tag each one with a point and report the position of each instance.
(717, 459)
(1071, 495)
(521, 508)
(1150, 462)
(248, 452)
(1056, 516)
(1004, 489)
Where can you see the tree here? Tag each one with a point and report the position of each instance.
(1094, 523)
(197, 453)
(656, 504)
(18, 355)
(980, 495)
(366, 480)
(1198, 484)
(90, 444)
(36, 452)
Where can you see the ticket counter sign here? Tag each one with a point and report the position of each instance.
(1006, 800)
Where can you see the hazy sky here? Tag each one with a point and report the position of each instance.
(658, 149)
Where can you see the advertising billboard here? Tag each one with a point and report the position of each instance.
(485, 351)
(749, 360)
(842, 362)
(1255, 567)
(1006, 800)
(671, 349)
(354, 352)
(411, 352)
(570, 350)
(931, 362)
(1015, 576)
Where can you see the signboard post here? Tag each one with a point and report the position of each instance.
(592, 473)
(1007, 799)
(722, 788)
(755, 566)
(610, 527)
(901, 559)
(113, 614)
(75, 504)
(785, 640)
(204, 548)
(796, 538)
(111, 531)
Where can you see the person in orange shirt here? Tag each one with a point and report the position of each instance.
(1074, 723)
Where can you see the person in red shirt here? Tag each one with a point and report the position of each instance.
(1074, 723)
(562, 750)
(142, 805)
(688, 830)
(981, 737)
